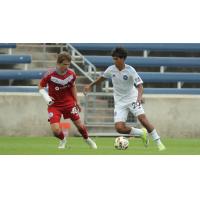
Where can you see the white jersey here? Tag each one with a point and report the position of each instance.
(124, 84)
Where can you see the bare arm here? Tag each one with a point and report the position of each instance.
(74, 93)
(40, 87)
(140, 93)
(87, 88)
(45, 95)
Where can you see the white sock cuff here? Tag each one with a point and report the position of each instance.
(155, 135)
(136, 132)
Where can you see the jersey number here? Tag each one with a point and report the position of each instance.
(74, 111)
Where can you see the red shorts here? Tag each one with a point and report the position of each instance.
(55, 113)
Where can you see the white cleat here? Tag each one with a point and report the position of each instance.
(62, 143)
(91, 143)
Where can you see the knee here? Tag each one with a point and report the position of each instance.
(142, 118)
(56, 131)
(119, 129)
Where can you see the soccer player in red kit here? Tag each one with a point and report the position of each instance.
(62, 99)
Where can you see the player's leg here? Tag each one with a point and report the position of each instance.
(73, 114)
(120, 117)
(83, 131)
(54, 119)
(150, 128)
(138, 111)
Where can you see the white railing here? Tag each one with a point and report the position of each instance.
(89, 68)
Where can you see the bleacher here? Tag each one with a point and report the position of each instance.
(171, 47)
(15, 59)
(8, 45)
(104, 61)
(8, 61)
(153, 69)
(143, 65)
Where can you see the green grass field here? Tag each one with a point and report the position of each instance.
(14, 145)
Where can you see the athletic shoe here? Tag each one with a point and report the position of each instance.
(161, 147)
(62, 143)
(91, 143)
(145, 137)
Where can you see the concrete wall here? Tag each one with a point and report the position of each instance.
(172, 115)
(24, 114)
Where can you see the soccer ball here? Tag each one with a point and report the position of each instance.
(121, 143)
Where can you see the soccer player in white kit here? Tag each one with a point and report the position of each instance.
(128, 90)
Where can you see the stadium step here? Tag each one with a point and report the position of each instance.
(105, 129)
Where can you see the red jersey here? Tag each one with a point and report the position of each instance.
(59, 87)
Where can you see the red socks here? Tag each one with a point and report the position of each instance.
(61, 135)
(83, 132)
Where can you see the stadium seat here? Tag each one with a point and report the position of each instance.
(15, 59)
(103, 61)
(175, 47)
(21, 74)
(156, 77)
(151, 77)
(34, 89)
(8, 45)
(25, 89)
(192, 91)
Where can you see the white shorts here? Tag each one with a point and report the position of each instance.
(121, 113)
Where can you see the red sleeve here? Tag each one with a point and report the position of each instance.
(44, 81)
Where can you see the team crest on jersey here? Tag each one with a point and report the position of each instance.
(113, 75)
(125, 77)
(50, 115)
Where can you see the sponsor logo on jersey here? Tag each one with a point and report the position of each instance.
(62, 82)
(61, 88)
(125, 77)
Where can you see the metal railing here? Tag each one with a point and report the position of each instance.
(99, 110)
(89, 69)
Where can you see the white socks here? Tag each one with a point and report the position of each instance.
(155, 137)
(136, 132)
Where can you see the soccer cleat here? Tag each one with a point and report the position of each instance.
(62, 143)
(91, 143)
(161, 147)
(145, 137)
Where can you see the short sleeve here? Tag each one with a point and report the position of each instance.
(136, 78)
(44, 81)
(107, 73)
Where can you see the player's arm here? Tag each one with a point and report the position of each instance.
(87, 88)
(44, 94)
(74, 93)
(140, 93)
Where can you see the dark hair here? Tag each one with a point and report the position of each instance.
(119, 52)
(63, 56)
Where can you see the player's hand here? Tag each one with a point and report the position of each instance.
(51, 102)
(86, 89)
(139, 100)
(78, 107)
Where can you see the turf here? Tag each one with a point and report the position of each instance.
(18, 145)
